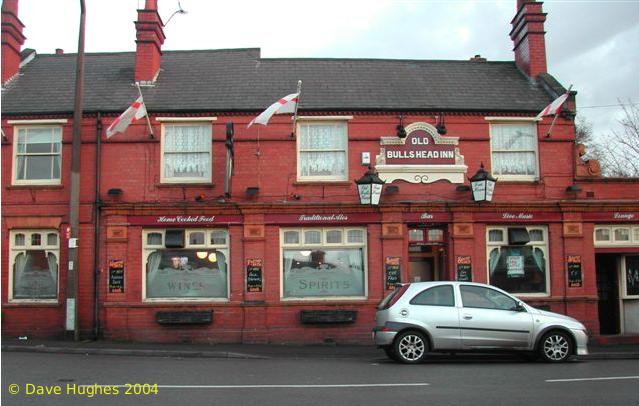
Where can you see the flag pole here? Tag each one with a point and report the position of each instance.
(148, 121)
(299, 97)
(556, 115)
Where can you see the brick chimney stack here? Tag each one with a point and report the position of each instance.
(527, 35)
(149, 39)
(12, 39)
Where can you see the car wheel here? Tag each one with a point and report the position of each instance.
(555, 346)
(410, 347)
(390, 352)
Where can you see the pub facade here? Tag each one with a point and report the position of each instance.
(195, 228)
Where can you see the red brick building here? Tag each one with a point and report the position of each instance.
(284, 251)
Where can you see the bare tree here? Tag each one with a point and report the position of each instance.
(584, 135)
(619, 153)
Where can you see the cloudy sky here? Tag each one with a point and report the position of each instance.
(590, 44)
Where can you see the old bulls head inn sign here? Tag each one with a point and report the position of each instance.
(423, 156)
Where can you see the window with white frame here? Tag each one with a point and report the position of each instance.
(514, 151)
(195, 268)
(34, 260)
(322, 151)
(616, 235)
(186, 152)
(323, 263)
(519, 269)
(37, 155)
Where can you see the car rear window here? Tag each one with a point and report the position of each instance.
(435, 296)
(393, 296)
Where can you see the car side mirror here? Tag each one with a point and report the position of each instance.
(518, 308)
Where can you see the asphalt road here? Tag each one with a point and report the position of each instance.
(282, 381)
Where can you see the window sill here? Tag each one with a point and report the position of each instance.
(35, 186)
(194, 185)
(519, 181)
(166, 303)
(30, 303)
(322, 183)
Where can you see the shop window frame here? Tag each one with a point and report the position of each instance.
(544, 246)
(633, 240)
(147, 250)
(363, 246)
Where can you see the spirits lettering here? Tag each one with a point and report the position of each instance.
(426, 216)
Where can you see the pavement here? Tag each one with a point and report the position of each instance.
(247, 351)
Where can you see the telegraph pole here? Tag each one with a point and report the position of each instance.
(74, 204)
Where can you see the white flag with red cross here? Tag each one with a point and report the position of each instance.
(555, 107)
(284, 105)
(135, 112)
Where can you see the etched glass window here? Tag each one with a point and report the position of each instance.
(313, 270)
(34, 270)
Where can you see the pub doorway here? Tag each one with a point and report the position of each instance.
(426, 253)
(607, 266)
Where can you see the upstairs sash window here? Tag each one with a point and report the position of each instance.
(38, 155)
(322, 151)
(186, 153)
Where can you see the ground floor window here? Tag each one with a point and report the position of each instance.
(630, 276)
(518, 259)
(186, 264)
(323, 262)
(34, 264)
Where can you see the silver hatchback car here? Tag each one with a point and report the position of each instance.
(418, 318)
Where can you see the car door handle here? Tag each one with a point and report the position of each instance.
(467, 317)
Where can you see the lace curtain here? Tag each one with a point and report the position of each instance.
(187, 151)
(513, 149)
(323, 150)
(35, 275)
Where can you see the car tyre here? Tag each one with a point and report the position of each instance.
(555, 346)
(410, 347)
(389, 350)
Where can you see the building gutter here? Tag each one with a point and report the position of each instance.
(97, 209)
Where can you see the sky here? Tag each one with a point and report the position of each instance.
(592, 45)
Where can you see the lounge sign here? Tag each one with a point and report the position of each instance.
(615, 216)
(424, 156)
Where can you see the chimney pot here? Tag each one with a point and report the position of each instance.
(477, 58)
(59, 51)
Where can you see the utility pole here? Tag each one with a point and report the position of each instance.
(74, 204)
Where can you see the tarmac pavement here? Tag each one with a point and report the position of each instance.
(246, 351)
